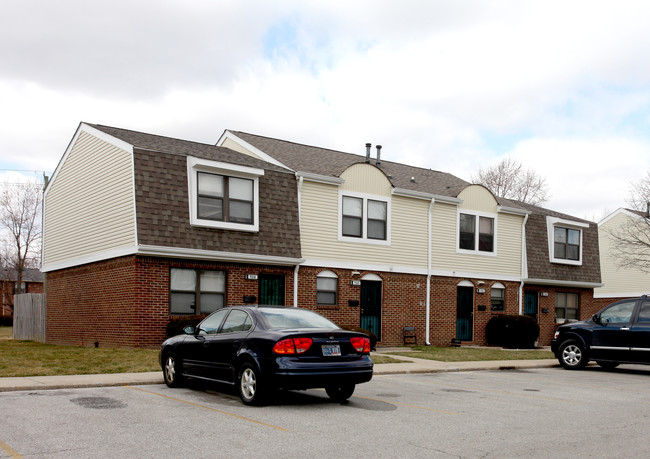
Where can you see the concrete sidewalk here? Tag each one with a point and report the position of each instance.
(409, 365)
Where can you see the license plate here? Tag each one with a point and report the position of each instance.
(331, 350)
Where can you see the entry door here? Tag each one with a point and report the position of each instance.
(531, 305)
(465, 313)
(271, 289)
(371, 307)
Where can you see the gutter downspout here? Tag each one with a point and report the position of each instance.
(297, 268)
(524, 265)
(429, 248)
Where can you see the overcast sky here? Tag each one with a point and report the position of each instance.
(564, 87)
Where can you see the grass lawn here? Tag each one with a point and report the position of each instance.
(6, 332)
(470, 354)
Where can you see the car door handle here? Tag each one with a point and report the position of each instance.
(236, 343)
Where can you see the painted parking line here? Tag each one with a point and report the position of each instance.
(12, 453)
(209, 408)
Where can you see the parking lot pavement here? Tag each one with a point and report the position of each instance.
(409, 365)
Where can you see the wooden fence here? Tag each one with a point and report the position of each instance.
(29, 317)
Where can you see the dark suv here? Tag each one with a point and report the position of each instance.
(619, 333)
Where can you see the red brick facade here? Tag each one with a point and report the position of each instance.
(125, 302)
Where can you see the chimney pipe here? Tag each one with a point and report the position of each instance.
(378, 155)
(368, 152)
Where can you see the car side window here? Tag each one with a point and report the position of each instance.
(237, 321)
(210, 324)
(644, 312)
(619, 313)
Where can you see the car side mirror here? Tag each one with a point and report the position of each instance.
(596, 318)
(189, 330)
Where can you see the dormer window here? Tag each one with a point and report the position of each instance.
(565, 240)
(476, 233)
(364, 218)
(224, 196)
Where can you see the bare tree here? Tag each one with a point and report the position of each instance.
(631, 239)
(508, 179)
(20, 226)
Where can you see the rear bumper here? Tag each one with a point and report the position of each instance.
(289, 373)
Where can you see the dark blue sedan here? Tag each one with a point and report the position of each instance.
(261, 348)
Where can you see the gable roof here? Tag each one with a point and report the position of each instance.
(323, 161)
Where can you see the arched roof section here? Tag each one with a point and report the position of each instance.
(478, 198)
(366, 178)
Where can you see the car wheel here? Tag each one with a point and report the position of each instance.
(572, 355)
(608, 365)
(251, 389)
(172, 371)
(340, 393)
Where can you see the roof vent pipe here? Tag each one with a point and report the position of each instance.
(368, 152)
(378, 155)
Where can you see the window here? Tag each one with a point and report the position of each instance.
(618, 313)
(476, 232)
(498, 294)
(237, 321)
(364, 218)
(566, 306)
(327, 288)
(196, 292)
(644, 312)
(224, 196)
(566, 243)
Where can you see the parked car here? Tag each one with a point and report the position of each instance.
(619, 333)
(260, 348)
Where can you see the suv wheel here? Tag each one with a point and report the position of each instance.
(572, 355)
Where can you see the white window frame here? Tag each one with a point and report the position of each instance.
(195, 165)
(476, 251)
(327, 274)
(364, 222)
(551, 224)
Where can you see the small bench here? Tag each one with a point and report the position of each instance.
(409, 334)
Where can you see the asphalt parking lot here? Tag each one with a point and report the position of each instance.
(536, 413)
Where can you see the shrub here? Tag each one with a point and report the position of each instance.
(512, 331)
(371, 335)
(6, 321)
(176, 325)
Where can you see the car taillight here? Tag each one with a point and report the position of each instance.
(292, 346)
(360, 344)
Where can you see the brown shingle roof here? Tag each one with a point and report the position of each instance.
(323, 161)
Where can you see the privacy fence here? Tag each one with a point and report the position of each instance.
(29, 317)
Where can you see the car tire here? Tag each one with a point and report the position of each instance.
(572, 355)
(172, 371)
(341, 392)
(607, 365)
(250, 385)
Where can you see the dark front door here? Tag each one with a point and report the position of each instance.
(531, 304)
(465, 313)
(271, 289)
(371, 307)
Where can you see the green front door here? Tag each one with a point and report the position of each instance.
(465, 313)
(531, 304)
(371, 307)
(271, 289)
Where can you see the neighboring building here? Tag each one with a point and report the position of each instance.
(137, 230)
(619, 283)
(32, 282)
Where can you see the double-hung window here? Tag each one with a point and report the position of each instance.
(566, 306)
(565, 240)
(476, 233)
(498, 297)
(327, 288)
(224, 196)
(196, 292)
(364, 218)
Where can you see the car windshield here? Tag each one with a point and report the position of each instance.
(295, 318)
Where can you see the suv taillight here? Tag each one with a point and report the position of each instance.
(360, 344)
(292, 346)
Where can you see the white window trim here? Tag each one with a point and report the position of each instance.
(364, 235)
(195, 165)
(476, 251)
(551, 223)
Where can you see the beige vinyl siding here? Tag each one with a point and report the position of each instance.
(229, 143)
(478, 198)
(509, 241)
(619, 282)
(89, 205)
(320, 230)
